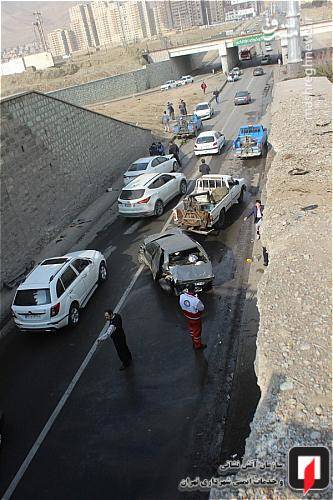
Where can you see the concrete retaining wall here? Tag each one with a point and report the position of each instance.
(56, 159)
(125, 84)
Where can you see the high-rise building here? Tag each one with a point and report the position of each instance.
(61, 42)
(239, 9)
(102, 14)
(186, 13)
(163, 16)
(213, 11)
(147, 18)
(83, 25)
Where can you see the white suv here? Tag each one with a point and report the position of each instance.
(52, 295)
(149, 193)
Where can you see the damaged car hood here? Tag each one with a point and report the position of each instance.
(191, 272)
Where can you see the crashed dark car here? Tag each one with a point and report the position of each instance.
(175, 261)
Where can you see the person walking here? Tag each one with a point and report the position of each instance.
(165, 121)
(171, 111)
(183, 103)
(192, 308)
(174, 150)
(203, 87)
(257, 213)
(216, 94)
(204, 169)
(116, 332)
(182, 109)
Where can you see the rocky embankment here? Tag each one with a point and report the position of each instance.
(294, 355)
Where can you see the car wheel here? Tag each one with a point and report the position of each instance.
(221, 221)
(183, 187)
(74, 315)
(159, 208)
(102, 273)
(175, 166)
(241, 196)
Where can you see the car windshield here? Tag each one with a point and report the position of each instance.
(32, 297)
(135, 167)
(131, 194)
(200, 107)
(205, 138)
(241, 94)
(187, 257)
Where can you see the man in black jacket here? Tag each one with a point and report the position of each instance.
(116, 332)
(174, 150)
(257, 213)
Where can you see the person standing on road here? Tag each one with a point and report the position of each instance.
(171, 111)
(192, 308)
(216, 94)
(165, 121)
(203, 87)
(182, 109)
(174, 150)
(116, 332)
(257, 213)
(204, 169)
(183, 104)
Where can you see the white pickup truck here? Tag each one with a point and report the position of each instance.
(205, 208)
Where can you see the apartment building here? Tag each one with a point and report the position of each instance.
(83, 25)
(213, 11)
(239, 9)
(62, 42)
(162, 16)
(102, 14)
(186, 13)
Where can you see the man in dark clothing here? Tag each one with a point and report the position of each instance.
(204, 168)
(116, 332)
(160, 148)
(174, 150)
(257, 213)
(171, 111)
(153, 150)
(182, 107)
(216, 94)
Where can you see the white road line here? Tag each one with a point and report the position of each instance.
(133, 227)
(108, 251)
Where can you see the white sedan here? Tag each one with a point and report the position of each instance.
(210, 142)
(233, 77)
(184, 80)
(170, 84)
(148, 194)
(150, 164)
(204, 110)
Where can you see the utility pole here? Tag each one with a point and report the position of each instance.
(294, 36)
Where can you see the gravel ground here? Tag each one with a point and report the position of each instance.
(293, 362)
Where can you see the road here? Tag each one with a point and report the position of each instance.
(131, 434)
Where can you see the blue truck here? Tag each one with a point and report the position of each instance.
(187, 125)
(251, 141)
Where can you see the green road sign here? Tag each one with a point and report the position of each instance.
(248, 40)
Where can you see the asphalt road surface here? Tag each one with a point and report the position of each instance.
(132, 434)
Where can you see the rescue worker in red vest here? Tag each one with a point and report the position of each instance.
(192, 308)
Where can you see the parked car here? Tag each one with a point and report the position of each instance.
(204, 110)
(150, 164)
(148, 194)
(258, 71)
(170, 84)
(175, 261)
(242, 97)
(186, 126)
(265, 59)
(184, 80)
(233, 77)
(55, 291)
(209, 142)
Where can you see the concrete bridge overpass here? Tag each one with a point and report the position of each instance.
(227, 47)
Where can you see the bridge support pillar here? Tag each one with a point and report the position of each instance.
(229, 57)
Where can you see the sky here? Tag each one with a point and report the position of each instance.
(17, 18)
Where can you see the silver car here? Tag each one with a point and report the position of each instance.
(175, 261)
